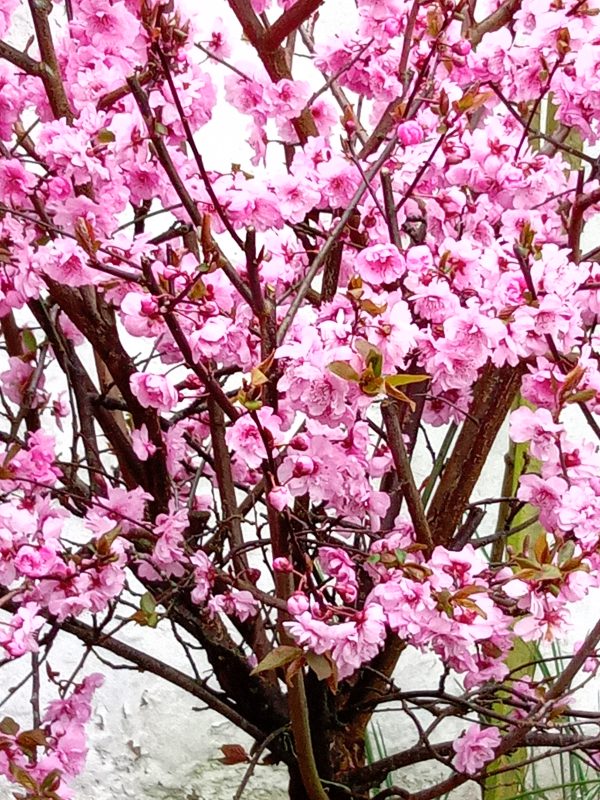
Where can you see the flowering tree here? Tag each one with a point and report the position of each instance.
(214, 381)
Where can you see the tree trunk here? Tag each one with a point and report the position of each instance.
(338, 746)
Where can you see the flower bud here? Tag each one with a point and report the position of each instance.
(410, 133)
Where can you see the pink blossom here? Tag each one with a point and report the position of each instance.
(282, 565)
(359, 641)
(154, 391)
(36, 462)
(141, 444)
(337, 564)
(15, 182)
(113, 25)
(280, 498)
(314, 634)
(535, 426)
(64, 261)
(15, 380)
(35, 562)
(245, 438)
(18, 635)
(238, 604)
(410, 132)
(287, 98)
(169, 555)
(381, 263)
(475, 748)
(140, 315)
(204, 576)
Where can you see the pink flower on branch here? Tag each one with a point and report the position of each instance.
(154, 391)
(475, 748)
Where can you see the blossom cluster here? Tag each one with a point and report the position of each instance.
(251, 342)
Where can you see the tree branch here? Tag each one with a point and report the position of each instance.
(274, 59)
(49, 69)
(501, 16)
(147, 663)
(492, 397)
(290, 21)
(406, 481)
(20, 59)
(166, 163)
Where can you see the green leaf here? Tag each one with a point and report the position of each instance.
(148, 603)
(372, 356)
(397, 394)
(29, 740)
(343, 370)
(565, 554)
(51, 782)
(29, 341)
(372, 308)
(582, 397)
(320, 665)
(252, 405)
(105, 136)
(404, 380)
(23, 778)
(279, 657)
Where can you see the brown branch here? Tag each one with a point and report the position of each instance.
(164, 61)
(97, 324)
(331, 272)
(253, 28)
(331, 82)
(538, 134)
(375, 773)
(110, 98)
(274, 60)
(391, 115)
(406, 481)
(14, 345)
(93, 263)
(211, 385)
(407, 43)
(85, 395)
(50, 70)
(20, 59)
(580, 205)
(300, 725)
(501, 16)
(147, 663)
(336, 233)
(254, 631)
(164, 158)
(492, 398)
(290, 21)
(391, 215)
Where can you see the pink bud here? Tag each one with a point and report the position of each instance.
(410, 132)
(280, 497)
(282, 565)
(299, 442)
(304, 466)
(462, 47)
(297, 603)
